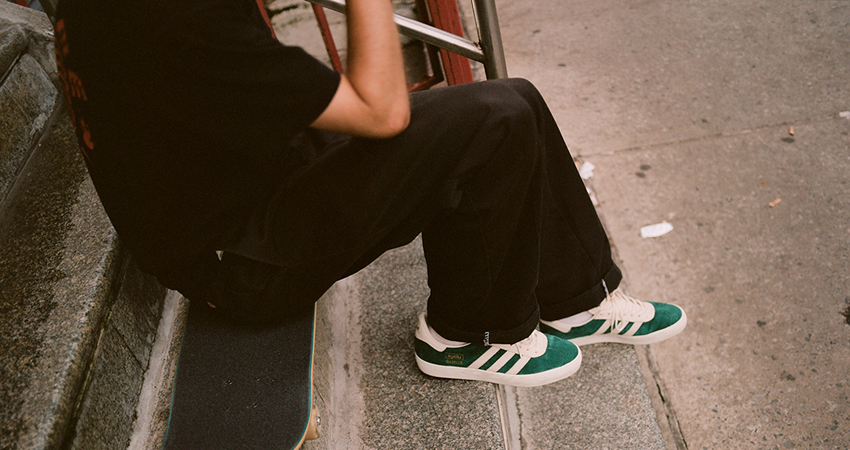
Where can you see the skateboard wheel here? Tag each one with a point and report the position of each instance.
(314, 428)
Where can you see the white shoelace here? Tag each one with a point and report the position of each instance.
(532, 346)
(622, 309)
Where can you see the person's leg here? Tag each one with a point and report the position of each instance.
(467, 174)
(464, 172)
(477, 168)
(578, 289)
(575, 255)
(577, 278)
(470, 172)
(492, 234)
(554, 231)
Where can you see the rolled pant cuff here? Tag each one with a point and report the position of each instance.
(495, 336)
(588, 299)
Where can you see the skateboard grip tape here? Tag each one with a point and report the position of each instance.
(241, 386)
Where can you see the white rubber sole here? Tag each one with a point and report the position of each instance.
(657, 336)
(531, 380)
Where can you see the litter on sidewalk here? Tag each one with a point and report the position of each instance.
(586, 170)
(656, 230)
(592, 197)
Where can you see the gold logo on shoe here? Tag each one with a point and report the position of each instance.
(454, 359)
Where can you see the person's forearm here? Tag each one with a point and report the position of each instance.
(375, 66)
(371, 100)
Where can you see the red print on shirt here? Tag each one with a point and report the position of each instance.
(75, 94)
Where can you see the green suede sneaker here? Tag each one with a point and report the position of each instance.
(534, 361)
(623, 319)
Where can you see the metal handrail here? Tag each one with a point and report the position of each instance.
(489, 52)
(491, 39)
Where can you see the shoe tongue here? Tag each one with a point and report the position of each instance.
(605, 308)
(534, 345)
(614, 306)
(625, 308)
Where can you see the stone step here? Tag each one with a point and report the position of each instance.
(373, 396)
(78, 319)
(28, 89)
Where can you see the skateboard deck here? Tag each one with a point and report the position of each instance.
(241, 387)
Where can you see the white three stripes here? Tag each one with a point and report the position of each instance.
(609, 324)
(500, 362)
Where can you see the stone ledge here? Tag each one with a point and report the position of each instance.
(27, 100)
(29, 86)
(13, 43)
(78, 318)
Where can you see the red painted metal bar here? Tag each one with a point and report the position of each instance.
(262, 5)
(445, 16)
(325, 29)
(434, 74)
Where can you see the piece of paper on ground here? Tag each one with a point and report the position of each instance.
(658, 229)
(586, 170)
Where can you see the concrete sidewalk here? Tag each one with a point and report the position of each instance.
(724, 119)
(372, 396)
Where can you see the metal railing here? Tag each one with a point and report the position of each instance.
(488, 51)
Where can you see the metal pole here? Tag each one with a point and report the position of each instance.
(491, 39)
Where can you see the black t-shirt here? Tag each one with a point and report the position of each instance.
(183, 110)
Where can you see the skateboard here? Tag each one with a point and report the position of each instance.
(240, 387)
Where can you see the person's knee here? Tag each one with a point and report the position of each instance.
(518, 106)
(503, 111)
(523, 87)
(517, 96)
(524, 90)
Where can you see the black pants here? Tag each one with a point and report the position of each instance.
(482, 172)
